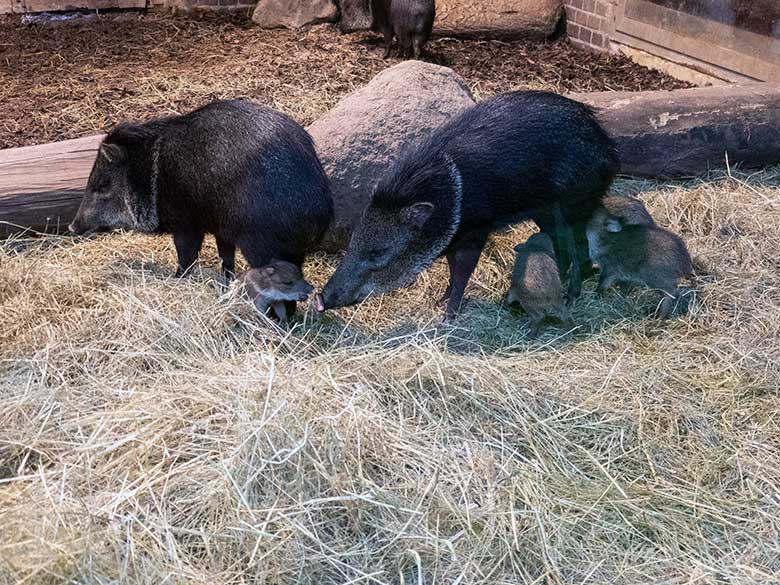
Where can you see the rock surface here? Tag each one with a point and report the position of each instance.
(517, 18)
(293, 13)
(367, 131)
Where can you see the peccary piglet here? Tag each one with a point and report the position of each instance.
(524, 155)
(637, 253)
(536, 284)
(235, 169)
(410, 21)
(274, 284)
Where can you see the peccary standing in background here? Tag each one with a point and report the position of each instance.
(520, 155)
(241, 171)
(411, 21)
(637, 253)
(273, 284)
(536, 284)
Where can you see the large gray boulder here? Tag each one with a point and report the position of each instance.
(293, 13)
(367, 131)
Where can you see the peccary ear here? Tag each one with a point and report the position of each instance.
(269, 270)
(416, 215)
(613, 226)
(111, 152)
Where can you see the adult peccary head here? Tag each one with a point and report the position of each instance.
(520, 155)
(241, 171)
(399, 235)
(119, 192)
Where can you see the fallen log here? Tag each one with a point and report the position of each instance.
(659, 134)
(685, 132)
(41, 186)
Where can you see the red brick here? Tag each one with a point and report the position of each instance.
(601, 8)
(589, 5)
(575, 3)
(573, 30)
(599, 40)
(594, 22)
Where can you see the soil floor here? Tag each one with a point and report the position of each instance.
(66, 79)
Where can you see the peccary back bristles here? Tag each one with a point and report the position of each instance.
(518, 154)
(241, 171)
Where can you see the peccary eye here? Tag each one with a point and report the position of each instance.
(377, 253)
(287, 282)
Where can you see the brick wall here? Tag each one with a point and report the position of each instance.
(589, 23)
(200, 4)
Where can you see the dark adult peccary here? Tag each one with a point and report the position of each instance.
(637, 253)
(241, 171)
(536, 284)
(410, 21)
(274, 284)
(521, 155)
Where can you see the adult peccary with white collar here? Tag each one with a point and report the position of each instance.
(235, 169)
(521, 155)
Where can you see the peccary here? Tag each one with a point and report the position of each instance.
(274, 284)
(520, 155)
(239, 170)
(536, 284)
(410, 21)
(637, 253)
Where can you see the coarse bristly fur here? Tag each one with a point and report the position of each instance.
(630, 250)
(520, 155)
(235, 169)
(536, 284)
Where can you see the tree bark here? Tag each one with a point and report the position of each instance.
(685, 132)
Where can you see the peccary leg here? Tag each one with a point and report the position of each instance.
(570, 262)
(227, 252)
(535, 321)
(387, 32)
(280, 310)
(187, 247)
(417, 47)
(605, 281)
(463, 259)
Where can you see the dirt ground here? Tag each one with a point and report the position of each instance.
(70, 79)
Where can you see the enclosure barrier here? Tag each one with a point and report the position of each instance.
(660, 134)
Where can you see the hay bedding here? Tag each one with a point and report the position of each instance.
(71, 79)
(151, 431)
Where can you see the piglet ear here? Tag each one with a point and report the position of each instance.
(111, 152)
(416, 215)
(613, 226)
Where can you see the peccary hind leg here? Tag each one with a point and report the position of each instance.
(227, 252)
(187, 248)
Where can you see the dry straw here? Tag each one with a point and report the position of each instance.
(157, 431)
